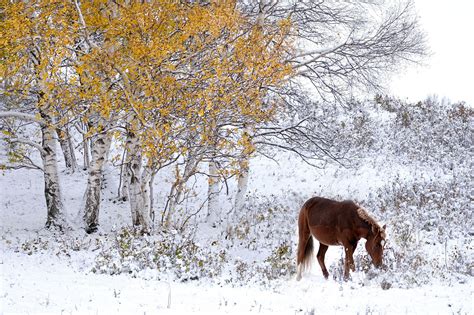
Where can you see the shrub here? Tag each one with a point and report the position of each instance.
(166, 253)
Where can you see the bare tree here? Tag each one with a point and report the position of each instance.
(343, 49)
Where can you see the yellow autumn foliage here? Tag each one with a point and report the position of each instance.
(170, 70)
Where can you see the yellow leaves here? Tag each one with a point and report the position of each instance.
(174, 70)
(14, 27)
(246, 143)
(38, 117)
(14, 17)
(105, 107)
(201, 112)
(6, 133)
(95, 16)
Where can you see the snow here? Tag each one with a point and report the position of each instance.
(45, 284)
(53, 281)
(46, 272)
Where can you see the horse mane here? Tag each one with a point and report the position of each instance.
(367, 218)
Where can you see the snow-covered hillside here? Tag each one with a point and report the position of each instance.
(409, 165)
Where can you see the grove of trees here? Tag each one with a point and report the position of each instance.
(185, 84)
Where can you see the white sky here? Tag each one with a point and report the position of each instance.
(449, 72)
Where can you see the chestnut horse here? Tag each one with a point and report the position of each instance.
(337, 223)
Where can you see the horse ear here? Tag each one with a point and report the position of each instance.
(384, 227)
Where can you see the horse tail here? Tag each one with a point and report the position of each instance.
(308, 253)
(305, 243)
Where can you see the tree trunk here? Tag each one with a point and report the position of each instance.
(100, 148)
(178, 190)
(130, 146)
(124, 176)
(146, 182)
(86, 146)
(52, 188)
(67, 148)
(213, 193)
(152, 199)
(170, 204)
(242, 184)
(138, 204)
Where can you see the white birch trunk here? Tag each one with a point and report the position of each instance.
(130, 146)
(213, 193)
(86, 155)
(100, 148)
(138, 202)
(73, 152)
(52, 188)
(146, 178)
(242, 185)
(124, 177)
(152, 199)
(67, 148)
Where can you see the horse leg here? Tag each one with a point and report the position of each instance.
(321, 253)
(352, 264)
(349, 261)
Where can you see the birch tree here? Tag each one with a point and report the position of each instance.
(188, 84)
(33, 49)
(47, 150)
(100, 147)
(211, 59)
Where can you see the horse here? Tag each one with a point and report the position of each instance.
(335, 223)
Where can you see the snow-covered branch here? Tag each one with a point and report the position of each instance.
(22, 116)
(28, 142)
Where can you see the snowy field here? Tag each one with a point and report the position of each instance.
(155, 155)
(46, 272)
(45, 284)
(55, 280)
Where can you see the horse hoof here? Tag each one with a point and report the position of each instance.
(298, 277)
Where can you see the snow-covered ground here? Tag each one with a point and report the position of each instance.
(46, 272)
(48, 284)
(57, 280)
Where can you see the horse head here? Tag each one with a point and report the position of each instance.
(375, 244)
